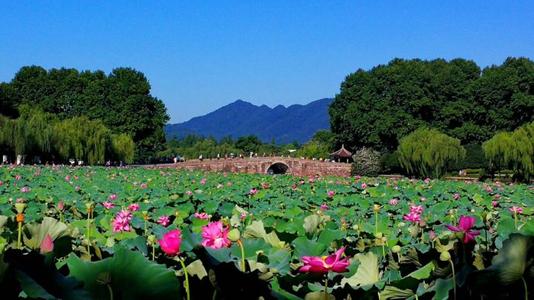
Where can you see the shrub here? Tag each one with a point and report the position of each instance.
(366, 162)
(428, 152)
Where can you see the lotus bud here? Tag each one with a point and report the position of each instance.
(20, 206)
(234, 235)
(379, 235)
(152, 239)
(355, 227)
(445, 256)
(89, 206)
(396, 249)
(376, 208)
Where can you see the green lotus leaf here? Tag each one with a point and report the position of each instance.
(367, 273)
(121, 276)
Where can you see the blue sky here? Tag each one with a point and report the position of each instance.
(200, 55)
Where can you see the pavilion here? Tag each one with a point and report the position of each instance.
(341, 155)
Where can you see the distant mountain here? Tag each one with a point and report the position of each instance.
(240, 118)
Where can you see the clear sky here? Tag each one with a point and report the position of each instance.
(200, 55)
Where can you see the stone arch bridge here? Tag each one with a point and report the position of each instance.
(267, 165)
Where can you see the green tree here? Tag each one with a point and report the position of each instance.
(513, 150)
(247, 144)
(82, 139)
(428, 152)
(123, 147)
(121, 100)
(314, 149)
(376, 108)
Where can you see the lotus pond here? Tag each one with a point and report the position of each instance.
(97, 233)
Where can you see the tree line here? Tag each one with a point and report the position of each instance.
(119, 101)
(40, 137)
(193, 146)
(429, 116)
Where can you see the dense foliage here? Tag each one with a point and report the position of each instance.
(320, 146)
(121, 100)
(103, 233)
(192, 146)
(514, 150)
(376, 108)
(36, 135)
(428, 152)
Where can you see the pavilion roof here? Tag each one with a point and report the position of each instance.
(342, 152)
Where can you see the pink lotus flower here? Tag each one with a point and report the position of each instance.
(516, 210)
(432, 235)
(112, 197)
(330, 194)
(1, 183)
(47, 245)
(265, 185)
(464, 226)
(133, 207)
(60, 205)
(164, 221)
(203, 181)
(215, 236)
(394, 201)
(324, 206)
(202, 216)
(67, 178)
(495, 203)
(364, 185)
(25, 189)
(122, 221)
(253, 191)
(188, 193)
(427, 180)
(243, 216)
(413, 217)
(456, 196)
(416, 209)
(497, 196)
(317, 264)
(171, 242)
(144, 186)
(108, 205)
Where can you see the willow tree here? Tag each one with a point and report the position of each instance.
(82, 139)
(513, 150)
(38, 127)
(123, 147)
(428, 152)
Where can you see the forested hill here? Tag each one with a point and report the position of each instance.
(241, 118)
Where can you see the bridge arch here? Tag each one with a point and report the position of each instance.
(277, 168)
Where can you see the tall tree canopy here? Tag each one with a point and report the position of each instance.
(376, 108)
(121, 100)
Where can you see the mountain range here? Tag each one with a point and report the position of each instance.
(240, 118)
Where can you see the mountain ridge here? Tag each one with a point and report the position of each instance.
(296, 122)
